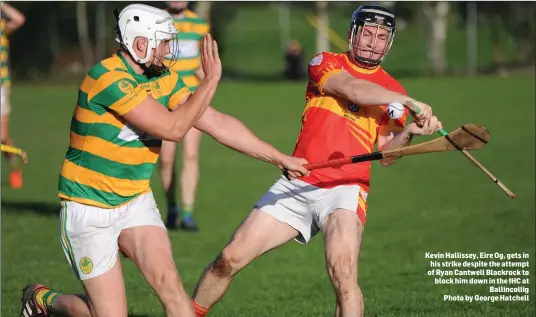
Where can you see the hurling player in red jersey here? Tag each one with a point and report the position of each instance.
(345, 114)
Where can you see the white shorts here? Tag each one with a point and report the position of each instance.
(89, 235)
(305, 207)
(5, 101)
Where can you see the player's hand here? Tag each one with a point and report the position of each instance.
(293, 167)
(430, 127)
(425, 113)
(210, 59)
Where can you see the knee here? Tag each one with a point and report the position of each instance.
(228, 263)
(190, 158)
(167, 284)
(342, 269)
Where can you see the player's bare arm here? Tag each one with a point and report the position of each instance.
(388, 140)
(232, 133)
(366, 93)
(361, 91)
(151, 117)
(15, 18)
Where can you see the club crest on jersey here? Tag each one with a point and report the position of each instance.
(125, 86)
(317, 60)
(353, 107)
(156, 90)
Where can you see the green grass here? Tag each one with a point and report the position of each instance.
(430, 203)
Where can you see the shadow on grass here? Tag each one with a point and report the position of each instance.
(47, 208)
(42, 208)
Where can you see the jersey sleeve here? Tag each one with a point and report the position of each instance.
(395, 125)
(179, 91)
(321, 67)
(117, 91)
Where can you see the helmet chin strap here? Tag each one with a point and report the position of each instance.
(365, 62)
(151, 70)
(154, 70)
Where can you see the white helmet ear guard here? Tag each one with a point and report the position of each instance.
(139, 20)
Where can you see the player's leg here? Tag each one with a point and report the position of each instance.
(341, 219)
(5, 110)
(280, 215)
(342, 239)
(41, 298)
(145, 241)
(150, 249)
(168, 177)
(38, 299)
(15, 175)
(259, 233)
(89, 240)
(189, 177)
(4, 133)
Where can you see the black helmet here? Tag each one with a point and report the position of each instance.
(379, 18)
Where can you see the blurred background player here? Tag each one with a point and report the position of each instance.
(191, 29)
(345, 114)
(294, 61)
(10, 20)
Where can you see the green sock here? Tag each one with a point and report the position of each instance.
(187, 211)
(45, 297)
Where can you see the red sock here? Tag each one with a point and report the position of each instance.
(199, 311)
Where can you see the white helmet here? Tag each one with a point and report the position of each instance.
(139, 20)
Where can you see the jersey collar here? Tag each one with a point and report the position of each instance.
(360, 69)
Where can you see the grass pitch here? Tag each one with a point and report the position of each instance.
(429, 203)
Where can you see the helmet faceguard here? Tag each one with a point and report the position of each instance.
(152, 24)
(371, 35)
